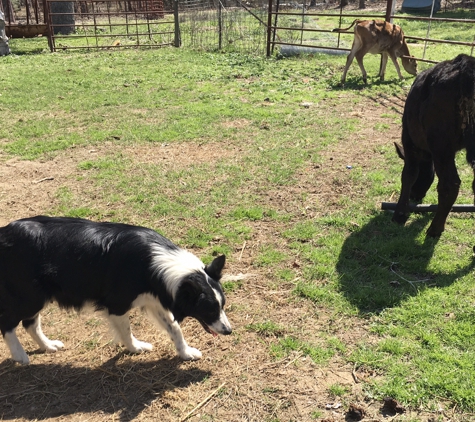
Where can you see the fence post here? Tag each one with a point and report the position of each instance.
(220, 25)
(177, 42)
(274, 32)
(269, 28)
(47, 16)
(390, 8)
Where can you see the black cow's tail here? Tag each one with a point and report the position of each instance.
(466, 65)
(469, 141)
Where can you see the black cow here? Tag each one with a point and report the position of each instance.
(438, 121)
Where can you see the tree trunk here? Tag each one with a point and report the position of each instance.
(361, 4)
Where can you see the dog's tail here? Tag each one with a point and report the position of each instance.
(356, 21)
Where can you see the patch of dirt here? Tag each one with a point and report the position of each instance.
(237, 379)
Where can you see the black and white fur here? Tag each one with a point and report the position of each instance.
(115, 267)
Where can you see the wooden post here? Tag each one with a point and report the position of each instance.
(269, 28)
(390, 7)
(177, 42)
(220, 26)
(49, 24)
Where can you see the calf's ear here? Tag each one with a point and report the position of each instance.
(216, 267)
(399, 150)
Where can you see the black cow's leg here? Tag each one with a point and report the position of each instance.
(424, 180)
(409, 176)
(447, 188)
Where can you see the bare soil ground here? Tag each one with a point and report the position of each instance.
(237, 379)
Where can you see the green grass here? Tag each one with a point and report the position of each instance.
(258, 185)
(338, 390)
(290, 344)
(266, 329)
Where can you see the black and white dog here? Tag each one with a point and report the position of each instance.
(114, 267)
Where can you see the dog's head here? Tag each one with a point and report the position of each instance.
(200, 296)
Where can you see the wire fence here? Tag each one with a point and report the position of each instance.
(246, 26)
(226, 25)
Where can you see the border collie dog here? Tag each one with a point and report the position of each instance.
(115, 267)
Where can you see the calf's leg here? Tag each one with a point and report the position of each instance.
(396, 65)
(382, 68)
(354, 50)
(349, 60)
(359, 58)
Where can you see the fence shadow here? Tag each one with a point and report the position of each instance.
(43, 391)
(382, 263)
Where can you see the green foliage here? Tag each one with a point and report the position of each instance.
(270, 256)
(288, 344)
(338, 390)
(266, 329)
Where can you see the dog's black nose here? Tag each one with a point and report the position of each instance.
(227, 330)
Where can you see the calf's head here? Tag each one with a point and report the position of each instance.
(410, 65)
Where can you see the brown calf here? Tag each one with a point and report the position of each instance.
(378, 37)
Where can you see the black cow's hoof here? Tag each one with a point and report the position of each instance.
(400, 218)
(432, 232)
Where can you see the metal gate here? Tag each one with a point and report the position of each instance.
(280, 33)
(111, 24)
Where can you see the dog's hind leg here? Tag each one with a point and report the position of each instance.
(18, 353)
(33, 328)
(121, 326)
(164, 319)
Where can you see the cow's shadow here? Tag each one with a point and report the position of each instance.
(382, 263)
(127, 386)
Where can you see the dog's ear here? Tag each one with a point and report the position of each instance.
(186, 298)
(190, 290)
(216, 267)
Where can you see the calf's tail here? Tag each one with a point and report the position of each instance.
(346, 29)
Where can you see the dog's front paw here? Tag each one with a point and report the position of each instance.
(21, 357)
(190, 353)
(52, 346)
(140, 347)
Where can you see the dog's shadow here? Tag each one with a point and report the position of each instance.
(44, 391)
(382, 263)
